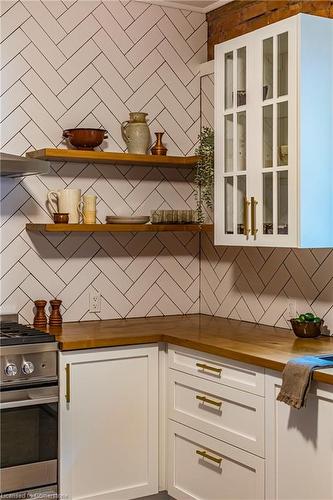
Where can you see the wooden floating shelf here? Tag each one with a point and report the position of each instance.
(80, 156)
(118, 228)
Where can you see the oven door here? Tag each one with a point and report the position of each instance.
(29, 438)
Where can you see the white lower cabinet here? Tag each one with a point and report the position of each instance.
(215, 428)
(201, 467)
(227, 437)
(109, 423)
(299, 445)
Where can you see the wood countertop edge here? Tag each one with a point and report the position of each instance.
(322, 376)
(270, 364)
(66, 346)
(79, 345)
(225, 353)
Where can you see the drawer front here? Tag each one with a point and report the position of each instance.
(200, 467)
(234, 416)
(221, 370)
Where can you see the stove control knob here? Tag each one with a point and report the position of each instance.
(28, 367)
(11, 370)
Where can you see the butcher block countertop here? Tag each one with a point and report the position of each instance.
(247, 342)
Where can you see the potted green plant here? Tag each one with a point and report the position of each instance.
(204, 177)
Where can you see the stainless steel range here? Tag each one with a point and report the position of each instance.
(29, 411)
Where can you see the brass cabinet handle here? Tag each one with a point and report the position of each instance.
(203, 366)
(204, 454)
(209, 401)
(254, 229)
(68, 383)
(246, 229)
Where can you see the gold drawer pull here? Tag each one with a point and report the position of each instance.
(203, 366)
(204, 454)
(254, 229)
(209, 401)
(68, 383)
(246, 230)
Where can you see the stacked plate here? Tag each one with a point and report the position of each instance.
(135, 219)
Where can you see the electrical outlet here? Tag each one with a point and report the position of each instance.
(292, 309)
(94, 302)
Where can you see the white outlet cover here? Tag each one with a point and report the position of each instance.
(292, 309)
(94, 301)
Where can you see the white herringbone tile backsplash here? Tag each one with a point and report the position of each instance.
(88, 63)
(255, 284)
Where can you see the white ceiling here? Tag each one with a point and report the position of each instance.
(202, 6)
(196, 3)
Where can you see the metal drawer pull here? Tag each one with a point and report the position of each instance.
(68, 383)
(254, 229)
(204, 454)
(203, 366)
(210, 401)
(246, 230)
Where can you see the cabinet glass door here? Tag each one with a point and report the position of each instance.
(235, 168)
(274, 213)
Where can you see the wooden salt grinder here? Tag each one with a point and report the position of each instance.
(40, 319)
(55, 318)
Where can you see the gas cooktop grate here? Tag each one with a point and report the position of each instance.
(16, 334)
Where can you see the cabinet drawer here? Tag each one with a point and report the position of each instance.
(221, 370)
(234, 416)
(201, 467)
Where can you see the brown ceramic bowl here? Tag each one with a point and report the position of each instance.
(59, 218)
(85, 138)
(306, 330)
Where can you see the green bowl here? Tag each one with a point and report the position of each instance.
(307, 329)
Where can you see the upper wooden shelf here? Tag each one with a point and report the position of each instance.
(78, 155)
(117, 228)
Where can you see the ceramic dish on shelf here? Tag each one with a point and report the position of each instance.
(85, 138)
(135, 219)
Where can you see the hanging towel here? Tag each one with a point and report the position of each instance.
(297, 376)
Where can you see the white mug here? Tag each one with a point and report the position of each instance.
(67, 201)
(87, 208)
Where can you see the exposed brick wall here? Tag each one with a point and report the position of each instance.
(242, 16)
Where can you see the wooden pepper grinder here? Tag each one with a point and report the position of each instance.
(55, 318)
(40, 319)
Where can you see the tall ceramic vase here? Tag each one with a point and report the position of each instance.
(136, 134)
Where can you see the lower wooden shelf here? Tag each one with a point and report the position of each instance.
(77, 155)
(118, 228)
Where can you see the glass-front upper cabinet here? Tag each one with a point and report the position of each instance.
(273, 206)
(233, 157)
(273, 95)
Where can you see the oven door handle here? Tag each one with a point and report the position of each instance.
(28, 397)
(27, 402)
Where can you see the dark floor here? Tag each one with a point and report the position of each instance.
(162, 495)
